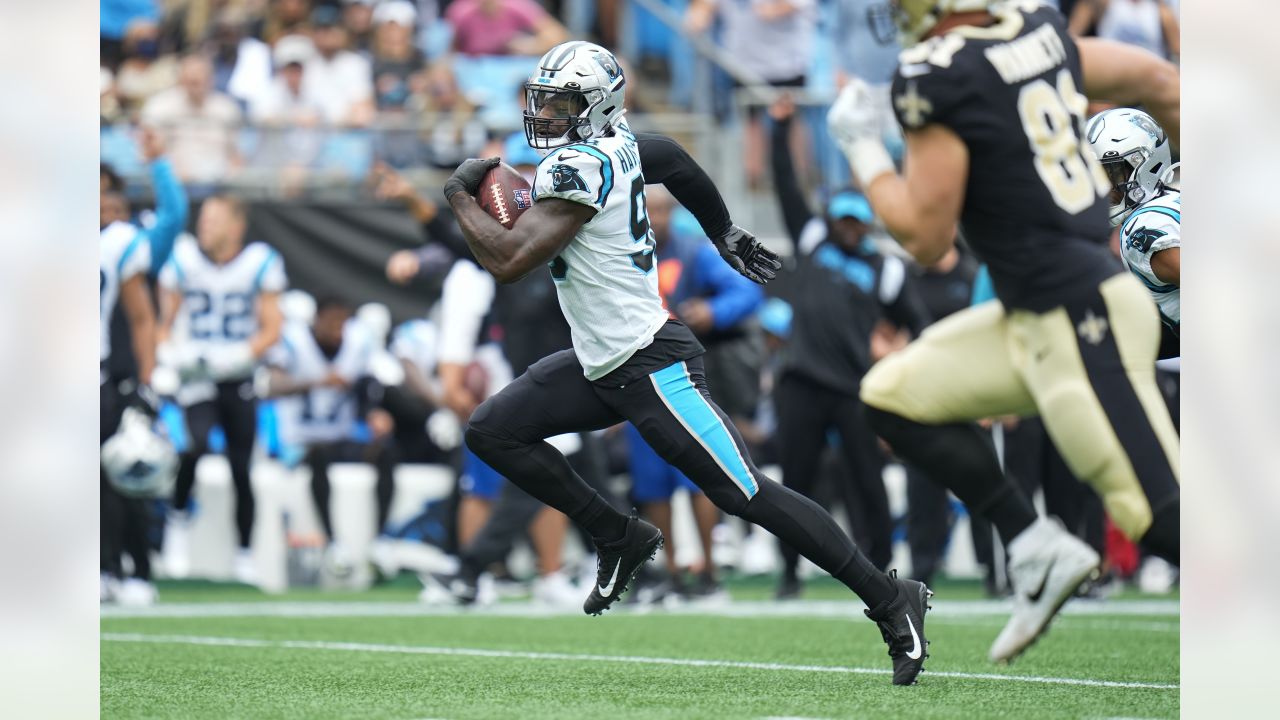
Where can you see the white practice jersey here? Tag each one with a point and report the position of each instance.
(605, 278)
(122, 253)
(322, 414)
(219, 302)
(1154, 226)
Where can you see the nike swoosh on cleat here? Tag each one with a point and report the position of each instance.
(606, 589)
(915, 640)
(1035, 596)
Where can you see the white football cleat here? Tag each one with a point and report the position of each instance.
(177, 544)
(1046, 566)
(136, 592)
(556, 590)
(244, 569)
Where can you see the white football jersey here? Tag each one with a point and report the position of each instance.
(322, 414)
(605, 278)
(1154, 226)
(122, 253)
(219, 301)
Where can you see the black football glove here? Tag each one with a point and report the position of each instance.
(745, 254)
(468, 176)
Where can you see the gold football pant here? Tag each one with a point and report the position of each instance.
(1086, 367)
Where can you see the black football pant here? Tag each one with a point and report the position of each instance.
(123, 520)
(321, 455)
(675, 414)
(806, 412)
(235, 410)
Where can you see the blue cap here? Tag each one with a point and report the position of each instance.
(516, 151)
(775, 317)
(850, 204)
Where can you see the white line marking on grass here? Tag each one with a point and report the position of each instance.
(522, 655)
(749, 609)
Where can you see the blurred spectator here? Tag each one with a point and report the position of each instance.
(770, 39)
(503, 27)
(357, 17)
(844, 290)
(109, 110)
(399, 68)
(1148, 24)
(946, 287)
(289, 111)
(199, 124)
(142, 72)
(322, 375)
(114, 18)
(288, 101)
(160, 228)
(341, 80)
(283, 17)
(867, 44)
(241, 63)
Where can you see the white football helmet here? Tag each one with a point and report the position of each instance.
(139, 461)
(576, 93)
(1134, 152)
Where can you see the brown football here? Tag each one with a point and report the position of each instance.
(504, 194)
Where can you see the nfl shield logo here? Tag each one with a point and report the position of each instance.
(523, 199)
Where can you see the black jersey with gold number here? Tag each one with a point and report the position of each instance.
(1034, 206)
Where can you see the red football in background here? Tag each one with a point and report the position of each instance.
(504, 194)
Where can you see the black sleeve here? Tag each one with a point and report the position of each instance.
(906, 308)
(443, 229)
(795, 211)
(664, 162)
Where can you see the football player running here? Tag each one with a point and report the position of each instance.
(630, 360)
(228, 293)
(1134, 152)
(988, 96)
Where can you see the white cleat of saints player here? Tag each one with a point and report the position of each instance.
(1046, 565)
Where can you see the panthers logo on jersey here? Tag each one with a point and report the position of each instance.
(1142, 238)
(565, 178)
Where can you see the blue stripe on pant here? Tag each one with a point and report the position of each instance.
(677, 391)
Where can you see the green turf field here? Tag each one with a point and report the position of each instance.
(213, 651)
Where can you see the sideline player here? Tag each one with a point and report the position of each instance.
(630, 360)
(228, 294)
(1134, 152)
(124, 257)
(987, 94)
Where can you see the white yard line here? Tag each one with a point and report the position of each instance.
(571, 657)
(751, 609)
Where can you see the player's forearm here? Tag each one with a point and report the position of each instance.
(418, 384)
(280, 384)
(171, 212)
(920, 233)
(494, 247)
(142, 330)
(270, 323)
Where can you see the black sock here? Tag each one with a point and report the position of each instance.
(868, 581)
(961, 458)
(603, 522)
(1164, 536)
